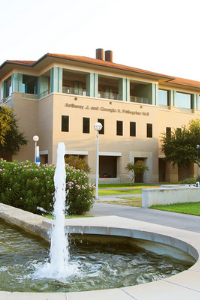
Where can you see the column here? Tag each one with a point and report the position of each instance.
(174, 98)
(122, 89)
(128, 90)
(156, 94)
(2, 90)
(17, 82)
(92, 85)
(56, 80)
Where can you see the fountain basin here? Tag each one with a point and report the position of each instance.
(182, 286)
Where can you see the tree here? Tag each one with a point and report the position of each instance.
(138, 168)
(10, 136)
(180, 146)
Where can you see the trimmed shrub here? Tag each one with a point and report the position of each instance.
(78, 163)
(25, 185)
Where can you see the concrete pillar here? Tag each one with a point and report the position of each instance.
(42, 86)
(17, 82)
(2, 90)
(128, 90)
(153, 96)
(56, 80)
(174, 98)
(171, 172)
(193, 101)
(156, 94)
(171, 98)
(92, 84)
(197, 102)
(122, 89)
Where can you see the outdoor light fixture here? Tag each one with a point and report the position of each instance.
(97, 126)
(37, 156)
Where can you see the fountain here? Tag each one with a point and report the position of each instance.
(61, 266)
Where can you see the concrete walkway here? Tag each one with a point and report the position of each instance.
(175, 220)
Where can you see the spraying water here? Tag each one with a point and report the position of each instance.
(59, 266)
(59, 254)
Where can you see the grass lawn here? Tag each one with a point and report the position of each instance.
(192, 208)
(119, 192)
(128, 201)
(125, 185)
(68, 217)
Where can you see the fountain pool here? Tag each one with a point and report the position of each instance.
(99, 263)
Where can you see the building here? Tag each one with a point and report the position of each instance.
(61, 97)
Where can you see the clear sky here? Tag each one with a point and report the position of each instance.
(157, 35)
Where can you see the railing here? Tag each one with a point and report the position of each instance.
(43, 94)
(30, 96)
(74, 91)
(113, 96)
(5, 100)
(140, 100)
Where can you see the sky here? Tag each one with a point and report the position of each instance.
(156, 35)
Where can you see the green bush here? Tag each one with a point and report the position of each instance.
(190, 180)
(26, 186)
(78, 163)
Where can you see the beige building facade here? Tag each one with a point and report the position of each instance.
(61, 97)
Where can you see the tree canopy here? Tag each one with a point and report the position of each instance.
(10, 136)
(180, 145)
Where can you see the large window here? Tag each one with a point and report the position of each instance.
(149, 131)
(132, 129)
(119, 127)
(163, 97)
(183, 100)
(29, 84)
(65, 123)
(86, 125)
(7, 87)
(102, 123)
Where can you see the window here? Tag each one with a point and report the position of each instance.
(86, 125)
(132, 129)
(102, 123)
(119, 127)
(163, 97)
(7, 87)
(168, 131)
(149, 131)
(183, 100)
(29, 84)
(65, 123)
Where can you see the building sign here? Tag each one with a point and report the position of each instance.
(110, 110)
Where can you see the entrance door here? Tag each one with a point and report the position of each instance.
(138, 177)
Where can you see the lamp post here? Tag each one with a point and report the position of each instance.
(97, 126)
(197, 161)
(37, 158)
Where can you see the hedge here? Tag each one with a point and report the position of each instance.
(25, 185)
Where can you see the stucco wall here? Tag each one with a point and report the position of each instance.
(165, 196)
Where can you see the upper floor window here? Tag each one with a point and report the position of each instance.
(7, 87)
(132, 129)
(149, 130)
(102, 123)
(119, 127)
(163, 97)
(29, 84)
(86, 125)
(183, 100)
(65, 123)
